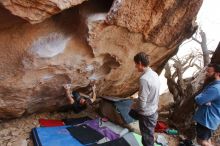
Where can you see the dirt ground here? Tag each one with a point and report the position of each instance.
(17, 132)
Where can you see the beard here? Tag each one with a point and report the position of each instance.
(209, 79)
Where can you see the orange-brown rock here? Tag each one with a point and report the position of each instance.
(36, 11)
(163, 22)
(82, 44)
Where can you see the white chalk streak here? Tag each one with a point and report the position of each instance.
(49, 46)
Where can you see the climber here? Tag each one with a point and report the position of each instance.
(207, 115)
(80, 100)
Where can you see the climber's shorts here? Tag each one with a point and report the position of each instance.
(203, 133)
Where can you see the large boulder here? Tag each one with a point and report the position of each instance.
(36, 11)
(93, 40)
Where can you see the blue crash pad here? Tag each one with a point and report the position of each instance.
(122, 105)
(54, 136)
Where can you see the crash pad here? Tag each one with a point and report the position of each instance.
(122, 107)
(75, 121)
(96, 125)
(138, 138)
(85, 134)
(50, 123)
(53, 136)
(117, 142)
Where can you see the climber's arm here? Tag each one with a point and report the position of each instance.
(68, 94)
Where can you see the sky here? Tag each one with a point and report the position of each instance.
(209, 20)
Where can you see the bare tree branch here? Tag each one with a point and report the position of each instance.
(193, 38)
(197, 66)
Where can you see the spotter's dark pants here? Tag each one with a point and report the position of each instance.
(147, 125)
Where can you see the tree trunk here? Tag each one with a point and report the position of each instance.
(182, 114)
(204, 47)
(216, 55)
(205, 51)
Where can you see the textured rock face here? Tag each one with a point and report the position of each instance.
(94, 40)
(215, 57)
(36, 11)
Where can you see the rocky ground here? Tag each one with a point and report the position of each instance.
(17, 132)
